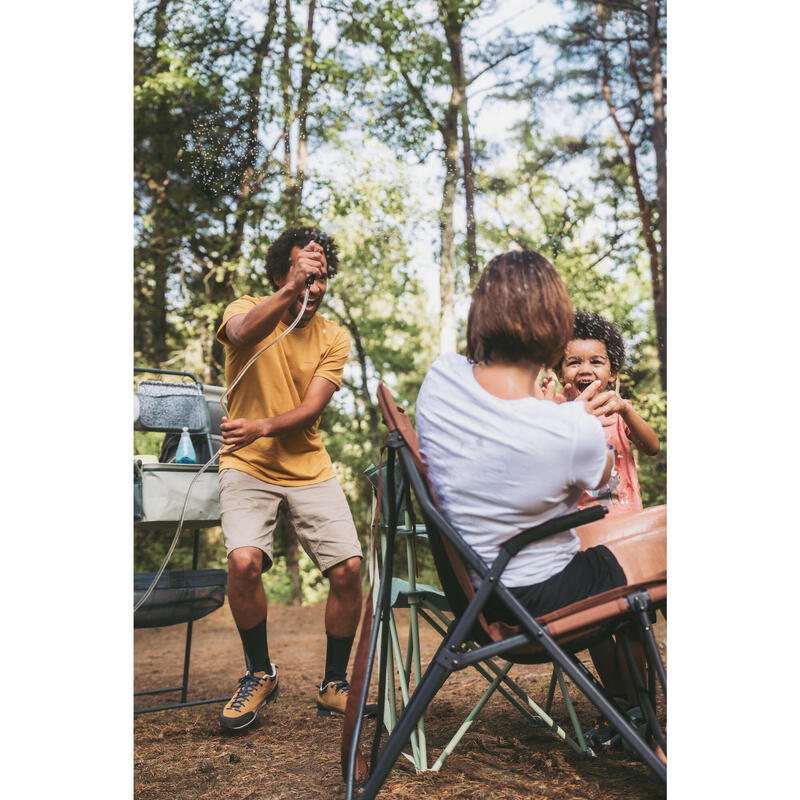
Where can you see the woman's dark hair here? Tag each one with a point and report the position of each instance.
(279, 251)
(589, 325)
(520, 311)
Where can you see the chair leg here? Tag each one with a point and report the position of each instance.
(641, 691)
(551, 692)
(187, 654)
(651, 648)
(465, 725)
(431, 681)
(533, 713)
(573, 716)
(419, 759)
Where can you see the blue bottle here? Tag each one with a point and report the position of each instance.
(185, 453)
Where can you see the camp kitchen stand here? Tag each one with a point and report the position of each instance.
(180, 596)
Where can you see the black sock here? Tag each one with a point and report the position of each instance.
(336, 658)
(256, 652)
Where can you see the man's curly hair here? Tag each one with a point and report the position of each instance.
(278, 254)
(589, 325)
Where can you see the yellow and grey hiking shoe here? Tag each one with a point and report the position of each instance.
(253, 694)
(332, 699)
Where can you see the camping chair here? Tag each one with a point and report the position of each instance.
(180, 596)
(554, 637)
(431, 605)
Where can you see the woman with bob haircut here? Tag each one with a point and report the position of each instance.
(501, 455)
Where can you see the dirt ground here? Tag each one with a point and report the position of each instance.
(289, 752)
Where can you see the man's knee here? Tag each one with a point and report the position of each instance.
(346, 576)
(244, 565)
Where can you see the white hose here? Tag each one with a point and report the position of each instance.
(222, 402)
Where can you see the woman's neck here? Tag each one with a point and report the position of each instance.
(507, 380)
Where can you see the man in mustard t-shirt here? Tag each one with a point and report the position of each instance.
(274, 459)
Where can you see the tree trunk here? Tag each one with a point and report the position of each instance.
(372, 413)
(160, 241)
(287, 111)
(246, 179)
(660, 147)
(659, 299)
(452, 28)
(447, 267)
(302, 110)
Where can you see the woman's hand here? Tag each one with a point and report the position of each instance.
(598, 402)
(238, 433)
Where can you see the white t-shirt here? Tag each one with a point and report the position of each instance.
(497, 467)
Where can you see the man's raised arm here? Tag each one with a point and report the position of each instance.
(246, 329)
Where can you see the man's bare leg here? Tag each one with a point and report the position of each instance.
(344, 599)
(341, 620)
(249, 605)
(245, 591)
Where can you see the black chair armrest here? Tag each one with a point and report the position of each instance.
(552, 526)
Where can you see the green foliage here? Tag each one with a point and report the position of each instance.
(377, 298)
(150, 547)
(652, 407)
(147, 442)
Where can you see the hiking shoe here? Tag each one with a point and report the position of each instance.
(252, 695)
(602, 734)
(332, 699)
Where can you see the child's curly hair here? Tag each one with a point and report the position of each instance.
(278, 254)
(589, 325)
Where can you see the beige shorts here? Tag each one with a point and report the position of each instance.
(317, 513)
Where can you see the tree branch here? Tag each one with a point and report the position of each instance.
(510, 54)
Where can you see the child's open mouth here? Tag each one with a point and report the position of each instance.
(581, 385)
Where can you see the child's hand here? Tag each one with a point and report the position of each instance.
(547, 389)
(570, 392)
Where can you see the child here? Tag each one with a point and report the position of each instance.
(595, 354)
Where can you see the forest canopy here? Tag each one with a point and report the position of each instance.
(426, 137)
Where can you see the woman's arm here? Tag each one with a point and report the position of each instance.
(606, 470)
(547, 391)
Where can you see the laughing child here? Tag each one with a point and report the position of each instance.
(595, 355)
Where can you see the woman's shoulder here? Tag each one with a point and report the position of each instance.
(449, 363)
(447, 378)
(448, 368)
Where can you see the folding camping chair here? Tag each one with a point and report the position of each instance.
(429, 604)
(554, 637)
(180, 596)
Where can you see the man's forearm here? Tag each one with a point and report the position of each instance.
(289, 422)
(261, 320)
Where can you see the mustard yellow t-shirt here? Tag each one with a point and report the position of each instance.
(275, 383)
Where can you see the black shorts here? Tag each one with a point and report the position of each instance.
(590, 572)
